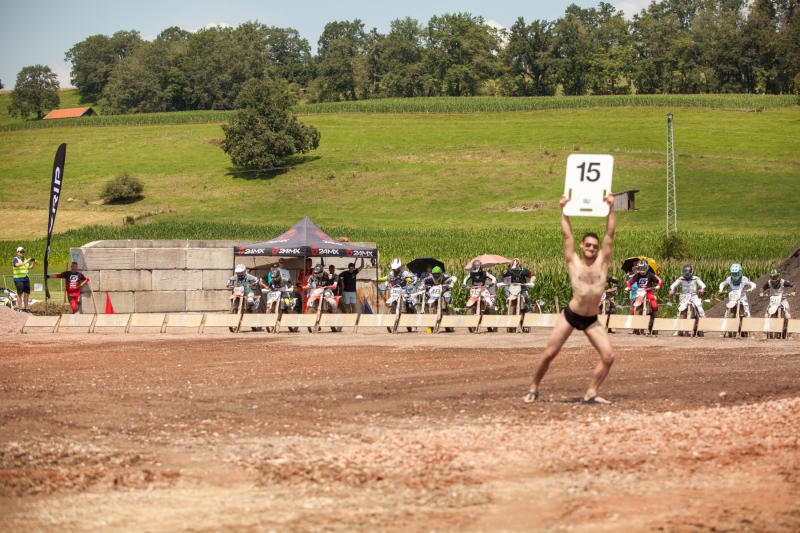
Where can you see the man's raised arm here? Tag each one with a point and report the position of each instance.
(611, 226)
(566, 228)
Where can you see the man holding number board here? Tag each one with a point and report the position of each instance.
(587, 274)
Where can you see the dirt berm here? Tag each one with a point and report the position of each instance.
(790, 269)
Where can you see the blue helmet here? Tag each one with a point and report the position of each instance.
(736, 272)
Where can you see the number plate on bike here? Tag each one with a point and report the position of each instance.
(588, 182)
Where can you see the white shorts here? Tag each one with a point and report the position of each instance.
(349, 298)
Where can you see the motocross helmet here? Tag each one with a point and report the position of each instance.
(642, 266)
(437, 273)
(516, 264)
(477, 266)
(736, 272)
(318, 271)
(396, 263)
(240, 270)
(775, 275)
(688, 272)
(275, 275)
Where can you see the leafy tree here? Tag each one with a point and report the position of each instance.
(36, 91)
(1, 85)
(263, 132)
(402, 60)
(529, 60)
(461, 53)
(572, 47)
(338, 51)
(288, 56)
(94, 58)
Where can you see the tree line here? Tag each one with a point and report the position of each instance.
(674, 46)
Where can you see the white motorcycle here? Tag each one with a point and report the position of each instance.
(686, 309)
(775, 309)
(515, 301)
(437, 303)
(734, 308)
(239, 305)
(480, 302)
(9, 299)
(281, 302)
(322, 300)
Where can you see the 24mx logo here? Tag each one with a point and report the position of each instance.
(250, 251)
(286, 251)
(360, 253)
(324, 251)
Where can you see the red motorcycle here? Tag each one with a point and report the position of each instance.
(322, 299)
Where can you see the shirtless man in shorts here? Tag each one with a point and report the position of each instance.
(588, 275)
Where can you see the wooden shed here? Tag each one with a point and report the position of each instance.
(73, 112)
(625, 200)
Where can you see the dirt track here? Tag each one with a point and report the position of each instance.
(413, 432)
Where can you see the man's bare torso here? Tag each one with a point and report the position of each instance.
(588, 285)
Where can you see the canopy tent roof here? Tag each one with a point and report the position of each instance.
(304, 239)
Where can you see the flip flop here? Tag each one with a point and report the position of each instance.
(596, 400)
(531, 396)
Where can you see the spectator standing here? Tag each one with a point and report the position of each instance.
(303, 276)
(282, 268)
(348, 279)
(333, 279)
(22, 282)
(75, 280)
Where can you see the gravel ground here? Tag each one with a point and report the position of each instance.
(11, 322)
(409, 432)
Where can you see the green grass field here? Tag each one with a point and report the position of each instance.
(69, 98)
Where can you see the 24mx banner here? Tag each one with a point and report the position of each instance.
(55, 194)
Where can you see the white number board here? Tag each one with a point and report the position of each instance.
(588, 182)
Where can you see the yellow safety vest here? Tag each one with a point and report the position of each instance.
(20, 269)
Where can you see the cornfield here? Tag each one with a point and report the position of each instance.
(438, 105)
(540, 250)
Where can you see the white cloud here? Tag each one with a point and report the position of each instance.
(632, 7)
(214, 25)
(494, 24)
(62, 71)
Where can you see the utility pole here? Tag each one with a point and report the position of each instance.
(672, 205)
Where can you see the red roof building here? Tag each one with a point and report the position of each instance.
(74, 112)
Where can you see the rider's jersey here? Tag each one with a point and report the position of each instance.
(283, 285)
(743, 285)
(323, 280)
(393, 278)
(245, 282)
(688, 286)
(770, 289)
(647, 281)
(480, 278)
(520, 275)
(444, 280)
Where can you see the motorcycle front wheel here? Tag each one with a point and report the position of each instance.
(311, 311)
(336, 311)
(234, 311)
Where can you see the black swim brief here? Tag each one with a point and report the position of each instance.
(577, 321)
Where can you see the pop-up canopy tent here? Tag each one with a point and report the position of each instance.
(305, 239)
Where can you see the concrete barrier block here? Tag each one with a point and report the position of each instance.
(108, 259)
(177, 280)
(124, 280)
(167, 258)
(160, 302)
(216, 279)
(207, 300)
(210, 258)
(123, 302)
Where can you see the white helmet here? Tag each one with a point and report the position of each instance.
(240, 268)
(396, 263)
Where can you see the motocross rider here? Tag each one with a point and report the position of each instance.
(318, 277)
(480, 277)
(738, 282)
(399, 276)
(437, 277)
(612, 286)
(689, 283)
(516, 273)
(775, 286)
(242, 279)
(643, 277)
(277, 282)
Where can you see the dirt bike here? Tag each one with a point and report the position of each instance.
(641, 306)
(437, 304)
(405, 299)
(480, 302)
(734, 309)
(515, 301)
(323, 300)
(686, 309)
(9, 299)
(239, 305)
(775, 309)
(280, 302)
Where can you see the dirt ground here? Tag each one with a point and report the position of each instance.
(412, 432)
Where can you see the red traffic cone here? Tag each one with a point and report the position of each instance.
(109, 307)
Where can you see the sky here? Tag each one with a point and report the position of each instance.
(41, 31)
